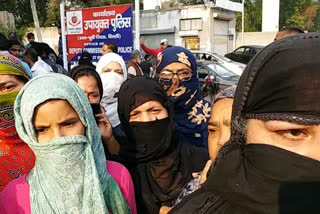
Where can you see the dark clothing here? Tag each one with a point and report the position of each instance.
(136, 67)
(280, 83)
(52, 65)
(192, 113)
(159, 161)
(145, 66)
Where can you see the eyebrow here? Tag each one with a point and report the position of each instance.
(6, 82)
(214, 123)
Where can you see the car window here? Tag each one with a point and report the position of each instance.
(221, 71)
(248, 52)
(239, 51)
(202, 72)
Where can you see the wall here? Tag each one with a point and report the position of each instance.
(7, 19)
(157, 25)
(256, 38)
(50, 36)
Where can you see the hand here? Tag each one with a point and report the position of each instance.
(141, 41)
(204, 172)
(164, 210)
(104, 125)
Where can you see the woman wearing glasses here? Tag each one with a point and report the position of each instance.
(177, 72)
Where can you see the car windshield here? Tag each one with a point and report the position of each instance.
(221, 71)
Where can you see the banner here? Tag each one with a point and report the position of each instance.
(89, 28)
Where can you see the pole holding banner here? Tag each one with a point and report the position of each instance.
(63, 36)
(242, 24)
(137, 25)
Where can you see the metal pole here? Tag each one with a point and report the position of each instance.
(36, 20)
(63, 35)
(242, 24)
(137, 25)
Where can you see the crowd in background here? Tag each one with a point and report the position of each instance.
(137, 137)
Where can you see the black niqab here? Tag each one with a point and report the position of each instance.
(280, 83)
(160, 164)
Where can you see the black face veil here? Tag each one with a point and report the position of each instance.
(281, 82)
(148, 140)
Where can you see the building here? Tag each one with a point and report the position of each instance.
(206, 27)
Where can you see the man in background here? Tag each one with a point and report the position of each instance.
(155, 52)
(146, 66)
(133, 65)
(109, 47)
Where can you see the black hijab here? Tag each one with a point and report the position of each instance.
(86, 70)
(159, 163)
(280, 83)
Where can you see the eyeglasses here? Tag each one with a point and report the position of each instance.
(184, 75)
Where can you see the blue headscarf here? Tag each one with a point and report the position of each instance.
(192, 113)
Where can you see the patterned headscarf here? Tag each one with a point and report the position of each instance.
(12, 65)
(70, 173)
(192, 113)
(16, 158)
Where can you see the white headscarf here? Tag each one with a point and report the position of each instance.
(111, 82)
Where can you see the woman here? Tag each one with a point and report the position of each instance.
(90, 82)
(177, 71)
(70, 173)
(113, 73)
(16, 158)
(219, 128)
(271, 164)
(159, 162)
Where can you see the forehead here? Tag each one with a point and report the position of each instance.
(221, 110)
(176, 66)
(87, 81)
(148, 105)
(7, 77)
(113, 65)
(45, 109)
(15, 46)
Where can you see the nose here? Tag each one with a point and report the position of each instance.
(147, 117)
(224, 136)
(57, 132)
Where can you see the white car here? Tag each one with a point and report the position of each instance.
(235, 67)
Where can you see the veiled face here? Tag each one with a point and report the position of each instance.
(56, 118)
(149, 111)
(301, 139)
(219, 125)
(9, 83)
(176, 72)
(113, 67)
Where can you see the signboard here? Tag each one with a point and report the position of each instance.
(192, 43)
(89, 28)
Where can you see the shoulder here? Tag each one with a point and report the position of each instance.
(117, 170)
(16, 195)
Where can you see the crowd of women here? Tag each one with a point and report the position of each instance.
(97, 141)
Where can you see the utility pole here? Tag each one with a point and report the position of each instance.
(63, 35)
(242, 24)
(137, 25)
(36, 20)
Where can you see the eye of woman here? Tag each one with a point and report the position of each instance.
(293, 134)
(212, 129)
(155, 110)
(40, 130)
(134, 115)
(8, 87)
